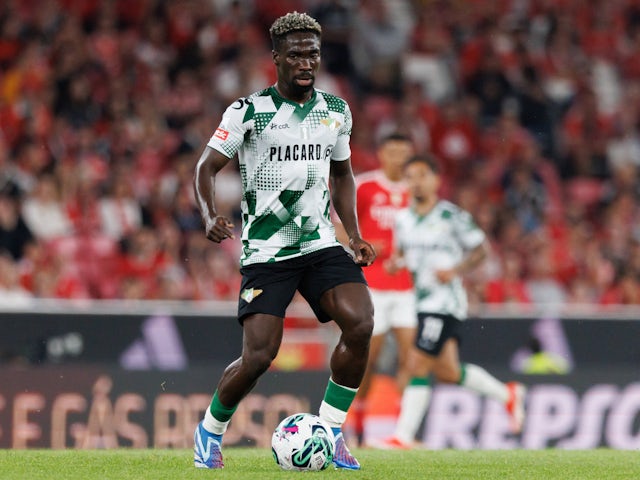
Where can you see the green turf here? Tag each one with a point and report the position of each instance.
(250, 463)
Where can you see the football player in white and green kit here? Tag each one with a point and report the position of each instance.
(292, 142)
(439, 242)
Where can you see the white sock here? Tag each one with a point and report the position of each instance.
(415, 401)
(333, 416)
(478, 379)
(212, 425)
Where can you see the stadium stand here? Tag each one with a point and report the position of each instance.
(533, 108)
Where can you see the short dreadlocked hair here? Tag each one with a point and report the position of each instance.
(292, 22)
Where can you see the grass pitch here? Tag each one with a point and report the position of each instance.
(252, 463)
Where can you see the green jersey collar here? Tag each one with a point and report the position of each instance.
(301, 109)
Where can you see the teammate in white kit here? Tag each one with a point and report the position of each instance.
(381, 194)
(292, 141)
(439, 242)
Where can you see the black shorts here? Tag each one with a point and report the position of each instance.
(270, 287)
(434, 329)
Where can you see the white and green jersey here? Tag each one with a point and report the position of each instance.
(284, 151)
(435, 241)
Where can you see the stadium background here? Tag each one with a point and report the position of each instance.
(531, 106)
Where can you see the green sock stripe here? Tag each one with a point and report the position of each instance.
(463, 373)
(419, 382)
(338, 396)
(219, 411)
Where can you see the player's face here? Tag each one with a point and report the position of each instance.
(393, 154)
(297, 62)
(422, 182)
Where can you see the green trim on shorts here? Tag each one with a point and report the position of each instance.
(463, 373)
(419, 382)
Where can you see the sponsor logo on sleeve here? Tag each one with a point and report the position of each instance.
(221, 133)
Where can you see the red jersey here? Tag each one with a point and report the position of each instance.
(379, 200)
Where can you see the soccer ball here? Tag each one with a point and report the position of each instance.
(303, 442)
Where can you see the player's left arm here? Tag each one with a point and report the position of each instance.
(395, 262)
(343, 196)
(470, 262)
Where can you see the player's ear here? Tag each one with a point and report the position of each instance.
(275, 56)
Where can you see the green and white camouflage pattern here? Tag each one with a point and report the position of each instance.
(437, 240)
(284, 151)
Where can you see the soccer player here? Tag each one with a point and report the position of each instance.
(439, 242)
(381, 194)
(292, 143)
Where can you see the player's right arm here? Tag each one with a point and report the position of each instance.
(216, 227)
(222, 147)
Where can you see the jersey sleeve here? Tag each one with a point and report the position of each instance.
(467, 231)
(342, 150)
(229, 135)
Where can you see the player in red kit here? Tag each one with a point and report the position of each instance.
(380, 195)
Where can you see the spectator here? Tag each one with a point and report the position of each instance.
(335, 16)
(143, 259)
(502, 143)
(525, 195)
(624, 291)
(510, 286)
(581, 293)
(120, 212)
(623, 148)
(43, 212)
(154, 51)
(541, 283)
(80, 109)
(185, 213)
(244, 74)
(363, 155)
(14, 233)
(11, 292)
(31, 161)
(586, 132)
(54, 279)
(491, 87)
(133, 288)
(428, 61)
(562, 61)
(536, 111)
(381, 31)
(407, 121)
(455, 139)
(184, 100)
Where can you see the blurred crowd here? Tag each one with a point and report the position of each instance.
(531, 106)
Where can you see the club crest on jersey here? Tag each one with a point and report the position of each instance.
(248, 294)
(332, 123)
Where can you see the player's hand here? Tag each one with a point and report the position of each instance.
(219, 228)
(446, 275)
(364, 253)
(394, 264)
